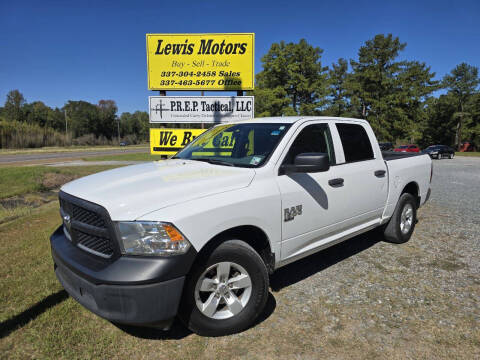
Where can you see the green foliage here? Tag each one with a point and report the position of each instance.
(86, 118)
(440, 122)
(13, 108)
(338, 90)
(39, 113)
(136, 124)
(294, 70)
(389, 93)
(36, 124)
(272, 102)
(462, 83)
(473, 128)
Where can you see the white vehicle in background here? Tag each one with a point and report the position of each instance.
(197, 235)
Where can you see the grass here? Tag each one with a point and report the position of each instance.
(19, 180)
(7, 214)
(125, 157)
(56, 149)
(473, 153)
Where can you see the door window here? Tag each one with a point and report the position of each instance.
(355, 142)
(313, 138)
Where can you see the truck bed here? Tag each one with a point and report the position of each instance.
(393, 155)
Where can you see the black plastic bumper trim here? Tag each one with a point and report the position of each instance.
(138, 304)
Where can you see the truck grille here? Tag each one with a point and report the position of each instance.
(88, 225)
(87, 217)
(95, 243)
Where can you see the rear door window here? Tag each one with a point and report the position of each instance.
(355, 142)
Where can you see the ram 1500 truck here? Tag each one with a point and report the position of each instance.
(197, 235)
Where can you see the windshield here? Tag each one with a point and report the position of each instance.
(244, 145)
(403, 147)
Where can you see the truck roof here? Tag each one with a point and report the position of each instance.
(294, 119)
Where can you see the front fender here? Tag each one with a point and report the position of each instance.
(202, 219)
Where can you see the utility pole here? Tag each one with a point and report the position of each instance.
(203, 94)
(66, 127)
(118, 129)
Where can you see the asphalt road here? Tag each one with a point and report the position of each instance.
(59, 156)
(456, 186)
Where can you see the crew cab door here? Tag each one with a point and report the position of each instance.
(351, 193)
(364, 173)
(311, 208)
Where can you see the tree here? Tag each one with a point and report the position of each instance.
(473, 129)
(389, 93)
(106, 124)
(56, 119)
(13, 108)
(297, 70)
(136, 124)
(462, 83)
(414, 86)
(36, 112)
(440, 122)
(338, 77)
(272, 102)
(82, 118)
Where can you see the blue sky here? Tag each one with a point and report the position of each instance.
(55, 51)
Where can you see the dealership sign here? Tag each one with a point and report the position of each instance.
(200, 61)
(200, 109)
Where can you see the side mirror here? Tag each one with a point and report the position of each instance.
(307, 163)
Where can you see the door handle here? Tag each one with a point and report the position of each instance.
(380, 173)
(335, 182)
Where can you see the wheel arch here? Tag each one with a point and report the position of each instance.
(413, 189)
(251, 234)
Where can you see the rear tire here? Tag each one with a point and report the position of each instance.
(213, 302)
(402, 223)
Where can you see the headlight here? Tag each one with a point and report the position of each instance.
(434, 152)
(151, 238)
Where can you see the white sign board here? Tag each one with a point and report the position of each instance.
(200, 109)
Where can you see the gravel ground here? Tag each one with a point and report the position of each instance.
(366, 298)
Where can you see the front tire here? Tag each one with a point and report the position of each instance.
(402, 223)
(226, 292)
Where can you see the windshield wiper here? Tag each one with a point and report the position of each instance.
(214, 161)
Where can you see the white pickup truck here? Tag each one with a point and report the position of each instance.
(197, 235)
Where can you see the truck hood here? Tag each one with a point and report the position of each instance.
(133, 191)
